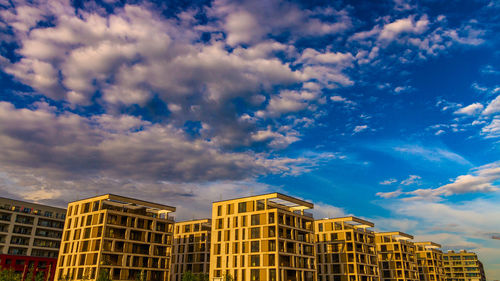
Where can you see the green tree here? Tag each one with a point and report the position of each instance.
(228, 277)
(141, 276)
(188, 276)
(9, 275)
(203, 277)
(103, 275)
(40, 276)
(31, 274)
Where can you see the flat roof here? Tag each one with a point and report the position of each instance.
(194, 220)
(355, 221)
(398, 234)
(31, 203)
(280, 198)
(428, 244)
(114, 197)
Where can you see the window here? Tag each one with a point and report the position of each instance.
(219, 210)
(271, 218)
(272, 274)
(254, 260)
(254, 246)
(244, 221)
(320, 227)
(272, 245)
(255, 220)
(242, 207)
(272, 231)
(261, 205)
(254, 274)
(255, 233)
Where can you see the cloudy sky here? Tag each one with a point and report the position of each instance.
(388, 110)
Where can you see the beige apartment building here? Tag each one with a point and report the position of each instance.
(463, 266)
(345, 250)
(29, 229)
(262, 238)
(430, 261)
(191, 248)
(128, 239)
(396, 256)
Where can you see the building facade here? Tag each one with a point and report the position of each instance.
(30, 236)
(267, 237)
(345, 250)
(128, 239)
(396, 256)
(191, 248)
(463, 266)
(430, 261)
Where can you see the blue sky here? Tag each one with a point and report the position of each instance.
(387, 110)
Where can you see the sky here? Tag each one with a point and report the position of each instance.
(386, 110)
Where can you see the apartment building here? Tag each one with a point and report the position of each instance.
(345, 250)
(127, 238)
(30, 236)
(262, 238)
(191, 248)
(463, 266)
(396, 256)
(430, 261)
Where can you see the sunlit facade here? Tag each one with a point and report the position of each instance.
(128, 239)
(345, 250)
(396, 256)
(430, 261)
(463, 266)
(191, 249)
(267, 237)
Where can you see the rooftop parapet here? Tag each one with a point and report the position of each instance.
(279, 199)
(396, 235)
(428, 245)
(353, 221)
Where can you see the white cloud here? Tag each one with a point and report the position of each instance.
(359, 128)
(322, 210)
(242, 27)
(392, 194)
(471, 109)
(412, 179)
(492, 130)
(388, 182)
(481, 180)
(408, 25)
(312, 56)
(70, 146)
(433, 154)
(493, 107)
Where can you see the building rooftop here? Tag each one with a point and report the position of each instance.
(396, 234)
(429, 245)
(280, 199)
(354, 221)
(130, 202)
(4, 200)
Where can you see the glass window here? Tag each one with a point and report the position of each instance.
(254, 233)
(255, 220)
(254, 247)
(254, 260)
(242, 207)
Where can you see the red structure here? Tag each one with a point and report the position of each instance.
(22, 264)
